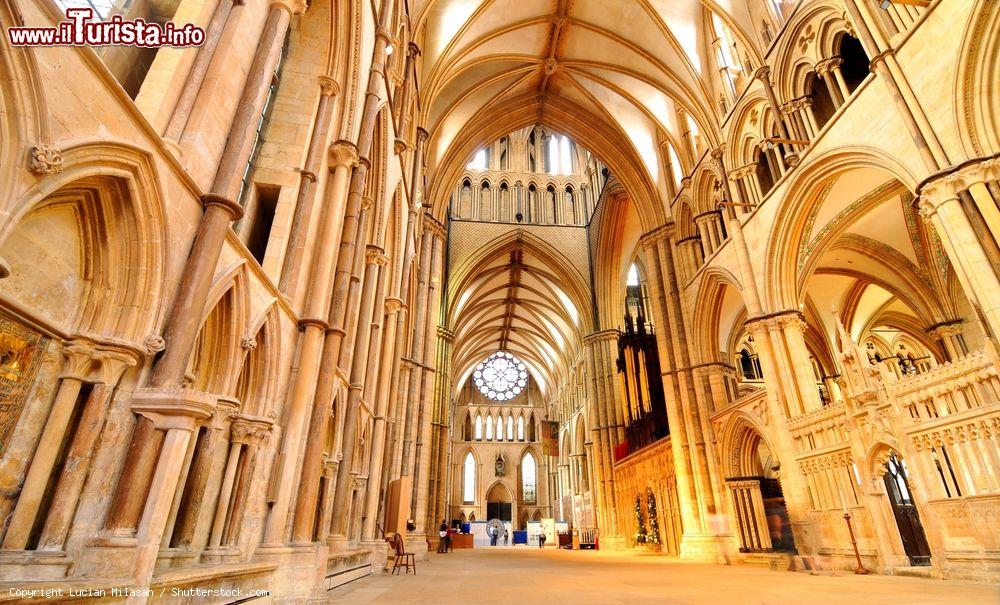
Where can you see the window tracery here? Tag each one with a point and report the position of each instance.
(501, 377)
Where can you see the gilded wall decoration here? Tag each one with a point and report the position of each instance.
(21, 350)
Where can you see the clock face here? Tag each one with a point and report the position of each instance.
(501, 377)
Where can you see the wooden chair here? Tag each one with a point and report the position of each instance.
(403, 558)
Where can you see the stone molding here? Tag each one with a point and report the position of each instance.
(173, 407)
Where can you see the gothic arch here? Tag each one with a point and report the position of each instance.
(783, 279)
(741, 437)
(710, 304)
(607, 142)
(977, 119)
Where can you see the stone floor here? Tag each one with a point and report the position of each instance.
(524, 576)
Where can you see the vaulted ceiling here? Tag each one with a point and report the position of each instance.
(520, 295)
(621, 65)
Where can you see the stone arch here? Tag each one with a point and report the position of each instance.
(118, 199)
(710, 303)
(746, 124)
(977, 118)
(606, 141)
(499, 491)
(810, 36)
(783, 279)
(257, 382)
(214, 364)
(741, 438)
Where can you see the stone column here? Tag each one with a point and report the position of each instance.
(188, 308)
(885, 65)
(603, 458)
(375, 261)
(751, 296)
(176, 412)
(202, 476)
(779, 391)
(82, 361)
(199, 69)
(422, 452)
(403, 121)
(343, 158)
(77, 463)
(680, 388)
(246, 435)
(392, 310)
(793, 327)
(763, 74)
(258, 82)
(298, 231)
(415, 370)
(940, 202)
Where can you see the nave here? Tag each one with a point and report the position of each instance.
(529, 576)
(689, 281)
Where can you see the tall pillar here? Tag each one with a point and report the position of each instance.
(199, 69)
(298, 231)
(177, 413)
(84, 362)
(375, 262)
(940, 202)
(782, 398)
(236, 152)
(683, 391)
(342, 159)
(422, 451)
(764, 75)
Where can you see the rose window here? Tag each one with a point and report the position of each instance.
(501, 376)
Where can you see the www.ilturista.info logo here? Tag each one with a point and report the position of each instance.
(82, 27)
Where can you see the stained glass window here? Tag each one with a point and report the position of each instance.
(501, 377)
(469, 481)
(528, 489)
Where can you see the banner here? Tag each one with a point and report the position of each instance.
(550, 438)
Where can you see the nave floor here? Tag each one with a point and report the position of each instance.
(526, 576)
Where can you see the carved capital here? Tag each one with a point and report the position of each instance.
(376, 256)
(343, 153)
(393, 305)
(249, 343)
(328, 86)
(763, 74)
(294, 7)
(173, 408)
(45, 159)
(250, 430)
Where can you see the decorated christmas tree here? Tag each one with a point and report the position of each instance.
(640, 522)
(654, 525)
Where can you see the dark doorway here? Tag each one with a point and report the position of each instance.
(499, 510)
(910, 530)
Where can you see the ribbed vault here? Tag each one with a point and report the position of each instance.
(618, 70)
(518, 294)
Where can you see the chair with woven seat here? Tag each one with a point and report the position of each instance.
(403, 558)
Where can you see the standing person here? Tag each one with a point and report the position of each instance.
(443, 537)
(506, 537)
(541, 540)
(451, 547)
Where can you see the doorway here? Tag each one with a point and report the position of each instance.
(911, 532)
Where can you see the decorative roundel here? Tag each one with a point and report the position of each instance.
(501, 376)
